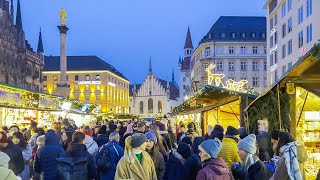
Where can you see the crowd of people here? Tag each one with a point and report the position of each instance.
(142, 150)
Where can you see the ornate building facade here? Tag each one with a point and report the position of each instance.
(154, 97)
(20, 65)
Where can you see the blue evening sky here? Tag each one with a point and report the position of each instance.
(126, 32)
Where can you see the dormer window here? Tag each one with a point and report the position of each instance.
(263, 35)
(233, 35)
(209, 36)
(243, 35)
(253, 35)
(223, 35)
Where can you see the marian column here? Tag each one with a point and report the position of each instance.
(63, 88)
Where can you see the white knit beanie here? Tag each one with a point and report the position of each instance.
(248, 144)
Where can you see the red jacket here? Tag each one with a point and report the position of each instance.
(214, 169)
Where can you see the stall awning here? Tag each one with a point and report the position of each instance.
(305, 73)
(208, 98)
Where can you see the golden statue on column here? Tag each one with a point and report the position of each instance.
(63, 16)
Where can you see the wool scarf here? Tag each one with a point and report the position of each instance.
(289, 152)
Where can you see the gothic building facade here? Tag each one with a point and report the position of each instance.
(154, 97)
(20, 65)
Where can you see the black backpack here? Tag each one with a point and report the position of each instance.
(70, 168)
(104, 162)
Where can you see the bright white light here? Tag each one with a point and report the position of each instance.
(66, 106)
(186, 97)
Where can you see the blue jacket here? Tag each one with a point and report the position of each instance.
(175, 167)
(114, 159)
(45, 161)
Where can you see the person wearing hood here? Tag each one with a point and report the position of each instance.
(71, 162)
(19, 140)
(229, 147)
(16, 163)
(136, 163)
(156, 155)
(45, 161)
(193, 163)
(213, 167)
(251, 168)
(288, 165)
(164, 133)
(102, 137)
(175, 166)
(92, 146)
(5, 172)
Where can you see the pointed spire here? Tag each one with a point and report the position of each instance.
(18, 18)
(150, 66)
(40, 44)
(188, 43)
(12, 12)
(172, 80)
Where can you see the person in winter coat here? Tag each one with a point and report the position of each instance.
(164, 133)
(207, 135)
(20, 142)
(263, 146)
(157, 157)
(66, 138)
(213, 168)
(92, 146)
(16, 163)
(77, 153)
(5, 172)
(163, 148)
(136, 163)
(217, 132)
(45, 161)
(102, 137)
(229, 147)
(288, 165)
(128, 133)
(173, 136)
(27, 133)
(175, 166)
(193, 164)
(115, 154)
(252, 168)
(34, 135)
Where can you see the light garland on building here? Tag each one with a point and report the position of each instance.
(229, 84)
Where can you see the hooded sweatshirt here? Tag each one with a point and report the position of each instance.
(214, 169)
(5, 172)
(92, 146)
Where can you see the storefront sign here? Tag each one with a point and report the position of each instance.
(290, 89)
(229, 84)
(48, 103)
(263, 125)
(89, 82)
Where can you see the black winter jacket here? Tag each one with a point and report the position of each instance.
(16, 163)
(175, 167)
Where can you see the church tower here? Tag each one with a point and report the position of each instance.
(40, 50)
(21, 36)
(188, 47)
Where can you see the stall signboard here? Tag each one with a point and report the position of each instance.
(48, 103)
(263, 125)
(10, 98)
(31, 99)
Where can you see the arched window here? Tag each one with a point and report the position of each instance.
(141, 107)
(150, 105)
(159, 107)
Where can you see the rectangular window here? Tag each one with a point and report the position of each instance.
(206, 65)
(76, 87)
(98, 97)
(44, 87)
(284, 9)
(275, 38)
(309, 8)
(276, 57)
(289, 65)
(284, 49)
(87, 78)
(271, 59)
(255, 50)
(275, 19)
(184, 79)
(87, 97)
(231, 66)
(284, 69)
(207, 52)
(271, 42)
(87, 87)
(290, 46)
(255, 66)
(276, 75)
(265, 65)
(265, 50)
(309, 33)
(300, 15)
(265, 82)
(205, 81)
(271, 23)
(97, 77)
(243, 50)
(289, 25)
(284, 30)
(300, 39)
(44, 78)
(243, 65)
(55, 78)
(231, 50)
(255, 82)
(76, 77)
(289, 5)
(220, 66)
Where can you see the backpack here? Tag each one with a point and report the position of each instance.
(69, 168)
(104, 162)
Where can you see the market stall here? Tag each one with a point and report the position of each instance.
(292, 104)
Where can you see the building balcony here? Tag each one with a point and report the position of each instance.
(217, 56)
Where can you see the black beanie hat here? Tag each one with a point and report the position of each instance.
(232, 131)
(184, 150)
(138, 139)
(275, 134)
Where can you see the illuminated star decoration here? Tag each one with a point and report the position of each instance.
(230, 83)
